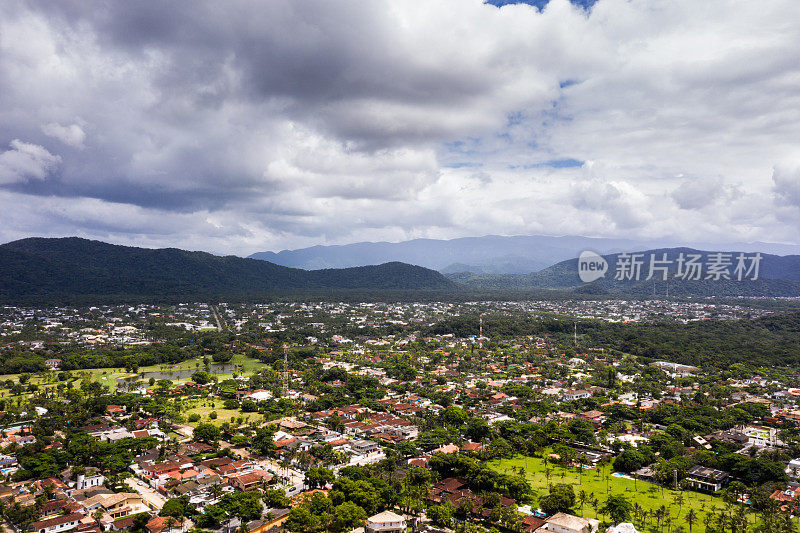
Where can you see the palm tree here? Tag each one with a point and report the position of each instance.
(691, 519)
(680, 500)
(636, 510)
(582, 496)
(659, 515)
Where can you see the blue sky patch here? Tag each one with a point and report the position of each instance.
(539, 4)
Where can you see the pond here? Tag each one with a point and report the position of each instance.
(213, 368)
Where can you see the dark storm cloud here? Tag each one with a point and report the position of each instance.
(236, 125)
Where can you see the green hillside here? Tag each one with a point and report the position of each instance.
(67, 267)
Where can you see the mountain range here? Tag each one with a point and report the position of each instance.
(777, 276)
(69, 268)
(66, 267)
(491, 254)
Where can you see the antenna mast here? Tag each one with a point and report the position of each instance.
(480, 336)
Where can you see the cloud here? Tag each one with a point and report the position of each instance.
(295, 122)
(787, 185)
(695, 193)
(72, 135)
(26, 161)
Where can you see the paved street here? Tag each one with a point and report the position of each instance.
(151, 497)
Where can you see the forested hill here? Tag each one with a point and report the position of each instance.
(68, 267)
(778, 276)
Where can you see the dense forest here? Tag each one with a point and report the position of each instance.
(772, 340)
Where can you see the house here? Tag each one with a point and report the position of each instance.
(761, 436)
(386, 522)
(447, 448)
(572, 394)
(59, 523)
(52, 364)
(273, 518)
(567, 523)
(531, 523)
(363, 447)
(116, 410)
(79, 480)
(469, 446)
(161, 523)
(625, 527)
(706, 479)
(793, 468)
(117, 505)
(250, 480)
(675, 368)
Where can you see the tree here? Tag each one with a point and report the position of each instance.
(618, 508)
(318, 477)
(560, 500)
(208, 433)
(263, 442)
(275, 498)
(691, 518)
(582, 497)
(301, 520)
(140, 521)
(201, 377)
(176, 507)
(441, 514)
(347, 516)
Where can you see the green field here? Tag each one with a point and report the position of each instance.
(108, 376)
(600, 483)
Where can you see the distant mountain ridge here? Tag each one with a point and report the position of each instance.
(778, 276)
(490, 254)
(73, 266)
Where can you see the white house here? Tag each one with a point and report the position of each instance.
(385, 522)
(59, 523)
(567, 523)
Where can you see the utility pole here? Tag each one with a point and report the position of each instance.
(480, 335)
(575, 332)
(285, 385)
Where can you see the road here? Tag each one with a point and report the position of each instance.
(151, 497)
(216, 317)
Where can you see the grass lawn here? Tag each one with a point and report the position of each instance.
(204, 406)
(600, 483)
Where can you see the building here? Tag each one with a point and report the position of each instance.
(90, 477)
(675, 368)
(706, 479)
(53, 364)
(625, 527)
(364, 447)
(571, 394)
(117, 505)
(59, 523)
(761, 436)
(567, 523)
(386, 522)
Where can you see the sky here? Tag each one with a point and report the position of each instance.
(235, 127)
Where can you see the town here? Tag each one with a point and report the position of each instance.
(383, 417)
